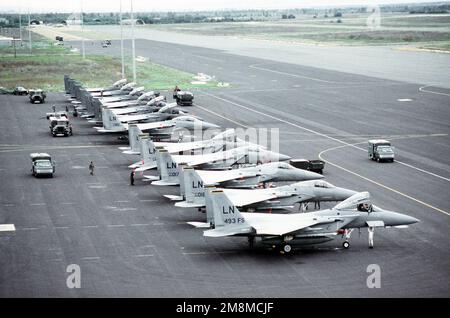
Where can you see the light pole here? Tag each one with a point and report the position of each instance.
(133, 49)
(20, 24)
(121, 41)
(82, 30)
(29, 28)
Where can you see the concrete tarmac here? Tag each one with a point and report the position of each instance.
(131, 241)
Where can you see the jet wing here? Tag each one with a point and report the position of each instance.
(145, 167)
(279, 224)
(155, 125)
(184, 146)
(127, 110)
(248, 197)
(213, 177)
(219, 232)
(128, 118)
(196, 160)
(121, 104)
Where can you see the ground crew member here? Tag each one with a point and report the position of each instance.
(132, 178)
(91, 168)
(371, 229)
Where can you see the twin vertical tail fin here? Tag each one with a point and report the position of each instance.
(110, 121)
(191, 186)
(148, 155)
(226, 217)
(167, 168)
(133, 138)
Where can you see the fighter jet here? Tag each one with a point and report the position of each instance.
(115, 86)
(281, 197)
(165, 112)
(285, 231)
(133, 95)
(119, 123)
(167, 164)
(124, 90)
(146, 99)
(192, 185)
(220, 142)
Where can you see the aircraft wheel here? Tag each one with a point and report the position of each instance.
(287, 248)
(346, 244)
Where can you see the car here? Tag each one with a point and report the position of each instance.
(42, 165)
(37, 96)
(4, 90)
(19, 90)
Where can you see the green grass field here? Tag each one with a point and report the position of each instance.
(48, 64)
(394, 29)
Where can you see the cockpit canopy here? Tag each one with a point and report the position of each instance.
(284, 165)
(359, 202)
(318, 184)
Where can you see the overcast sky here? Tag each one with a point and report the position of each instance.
(176, 5)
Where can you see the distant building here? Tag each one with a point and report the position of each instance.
(130, 22)
(74, 19)
(4, 21)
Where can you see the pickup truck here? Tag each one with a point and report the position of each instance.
(381, 150)
(184, 98)
(60, 126)
(42, 165)
(311, 165)
(37, 96)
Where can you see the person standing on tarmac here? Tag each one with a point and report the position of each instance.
(132, 178)
(91, 168)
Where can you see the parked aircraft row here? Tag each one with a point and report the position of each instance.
(231, 179)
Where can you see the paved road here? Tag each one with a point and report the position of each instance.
(385, 62)
(129, 241)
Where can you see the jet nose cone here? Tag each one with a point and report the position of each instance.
(342, 194)
(309, 175)
(406, 220)
(207, 125)
(282, 157)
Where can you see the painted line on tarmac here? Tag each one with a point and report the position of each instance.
(322, 134)
(422, 89)
(92, 258)
(254, 66)
(375, 182)
(90, 226)
(218, 115)
(31, 148)
(29, 228)
(339, 141)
